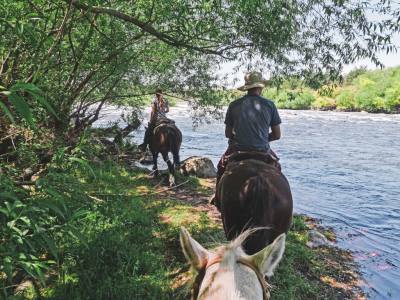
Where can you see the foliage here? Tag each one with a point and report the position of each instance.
(291, 99)
(371, 91)
(31, 226)
(83, 55)
(353, 74)
(20, 105)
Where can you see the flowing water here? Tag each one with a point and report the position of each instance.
(343, 168)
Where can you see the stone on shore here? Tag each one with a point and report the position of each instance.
(198, 166)
(317, 239)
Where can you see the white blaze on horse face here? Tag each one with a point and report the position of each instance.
(196, 255)
(267, 259)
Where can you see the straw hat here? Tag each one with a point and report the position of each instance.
(252, 80)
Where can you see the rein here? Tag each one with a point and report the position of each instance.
(217, 260)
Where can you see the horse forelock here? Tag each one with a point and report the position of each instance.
(224, 277)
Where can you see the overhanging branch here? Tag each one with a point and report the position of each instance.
(146, 27)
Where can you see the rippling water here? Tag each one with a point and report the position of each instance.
(343, 168)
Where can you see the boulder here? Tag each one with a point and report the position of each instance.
(201, 167)
(317, 239)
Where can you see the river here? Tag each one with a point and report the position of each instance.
(343, 168)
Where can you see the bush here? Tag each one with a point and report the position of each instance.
(345, 100)
(392, 99)
(324, 103)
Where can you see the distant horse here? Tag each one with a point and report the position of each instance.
(229, 273)
(254, 193)
(166, 138)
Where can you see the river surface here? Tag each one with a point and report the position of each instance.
(343, 168)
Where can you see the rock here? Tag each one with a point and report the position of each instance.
(317, 239)
(201, 167)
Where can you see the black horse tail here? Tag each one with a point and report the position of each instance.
(174, 143)
(255, 200)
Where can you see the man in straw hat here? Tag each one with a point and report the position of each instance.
(159, 110)
(248, 122)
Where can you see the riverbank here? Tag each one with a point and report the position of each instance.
(127, 244)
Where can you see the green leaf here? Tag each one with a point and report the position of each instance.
(8, 267)
(84, 163)
(78, 235)
(7, 112)
(52, 206)
(51, 246)
(22, 107)
(36, 93)
(46, 104)
(22, 86)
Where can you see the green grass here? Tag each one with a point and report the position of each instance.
(128, 246)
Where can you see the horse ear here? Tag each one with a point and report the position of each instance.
(196, 255)
(267, 259)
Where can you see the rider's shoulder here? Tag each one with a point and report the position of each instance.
(237, 101)
(267, 102)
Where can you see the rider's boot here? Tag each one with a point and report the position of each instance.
(147, 134)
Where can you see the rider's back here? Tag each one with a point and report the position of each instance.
(251, 117)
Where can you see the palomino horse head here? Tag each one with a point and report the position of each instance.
(228, 272)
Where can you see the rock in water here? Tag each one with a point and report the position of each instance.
(201, 167)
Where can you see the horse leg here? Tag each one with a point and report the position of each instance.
(155, 165)
(170, 169)
(177, 161)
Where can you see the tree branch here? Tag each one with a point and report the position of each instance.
(145, 27)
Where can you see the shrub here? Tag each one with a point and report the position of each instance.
(324, 103)
(345, 100)
(392, 99)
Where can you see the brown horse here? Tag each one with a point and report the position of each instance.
(166, 138)
(254, 193)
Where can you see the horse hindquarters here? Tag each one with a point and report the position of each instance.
(261, 200)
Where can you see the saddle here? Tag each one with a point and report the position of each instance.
(268, 158)
(163, 122)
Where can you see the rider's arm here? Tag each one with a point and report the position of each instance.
(275, 133)
(228, 131)
(229, 123)
(166, 105)
(153, 113)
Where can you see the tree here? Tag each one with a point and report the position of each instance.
(85, 54)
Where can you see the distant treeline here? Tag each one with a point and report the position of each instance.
(360, 90)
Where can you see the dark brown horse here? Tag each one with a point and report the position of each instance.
(254, 193)
(166, 138)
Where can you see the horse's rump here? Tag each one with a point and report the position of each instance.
(253, 193)
(167, 137)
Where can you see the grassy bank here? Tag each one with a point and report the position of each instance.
(125, 244)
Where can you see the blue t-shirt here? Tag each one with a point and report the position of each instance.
(251, 117)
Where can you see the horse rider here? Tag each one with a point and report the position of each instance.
(248, 122)
(159, 110)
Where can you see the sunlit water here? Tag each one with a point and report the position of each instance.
(343, 168)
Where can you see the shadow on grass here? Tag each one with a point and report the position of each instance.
(133, 251)
(132, 246)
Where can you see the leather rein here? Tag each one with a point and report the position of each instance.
(217, 260)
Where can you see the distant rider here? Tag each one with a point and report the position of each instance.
(159, 110)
